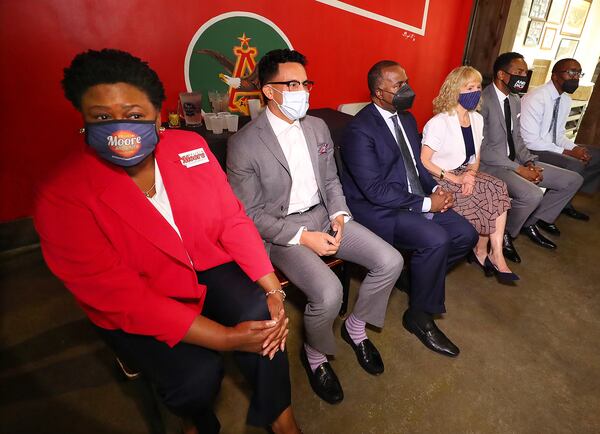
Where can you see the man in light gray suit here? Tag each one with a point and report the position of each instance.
(506, 157)
(282, 167)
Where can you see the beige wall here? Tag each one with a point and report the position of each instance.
(588, 50)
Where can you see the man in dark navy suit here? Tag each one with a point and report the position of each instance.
(390, 192)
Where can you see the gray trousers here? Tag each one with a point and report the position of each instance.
(529, 204)
(308, 272)
(590, 172)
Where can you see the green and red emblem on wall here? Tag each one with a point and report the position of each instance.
(224, 53)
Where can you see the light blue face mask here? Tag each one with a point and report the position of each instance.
(294, 105)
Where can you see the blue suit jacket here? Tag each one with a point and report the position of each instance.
(374, 176)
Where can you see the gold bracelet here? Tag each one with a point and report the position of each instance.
(442, 173)
(275, 291)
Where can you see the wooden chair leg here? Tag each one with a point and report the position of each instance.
(345, 279)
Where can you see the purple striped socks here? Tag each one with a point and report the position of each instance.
(315, 358)
(356, 329)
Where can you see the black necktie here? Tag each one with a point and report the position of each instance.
(509, 136)
(411, 171)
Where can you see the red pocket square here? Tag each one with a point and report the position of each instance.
(323, 148)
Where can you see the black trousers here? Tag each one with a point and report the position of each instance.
(188, 377)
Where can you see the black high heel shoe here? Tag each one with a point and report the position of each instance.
(487, 269)
(502, 276)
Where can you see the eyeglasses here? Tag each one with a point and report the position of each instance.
(573, 73)
(294, 85)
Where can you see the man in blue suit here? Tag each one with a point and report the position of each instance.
(390, 192)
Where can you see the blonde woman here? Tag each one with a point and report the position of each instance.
(450, 152)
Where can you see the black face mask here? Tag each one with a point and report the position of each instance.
(517, 83)
(570, 86)
(403, 99)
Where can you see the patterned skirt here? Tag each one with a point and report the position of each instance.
(482, 207)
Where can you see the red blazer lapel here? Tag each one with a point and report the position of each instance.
(179, 188)
(118, 191)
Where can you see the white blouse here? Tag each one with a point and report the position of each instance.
(443, 134)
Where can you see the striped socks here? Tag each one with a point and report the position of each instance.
(315, 358)
(356, 329)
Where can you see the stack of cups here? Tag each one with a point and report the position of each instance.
(215, 100)
(255, 108)
(224, 102)
(208, 120)
(217, 122)
(232, 122)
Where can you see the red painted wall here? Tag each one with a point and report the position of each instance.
(40, 37)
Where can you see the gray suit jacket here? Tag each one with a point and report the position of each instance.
(494, 147)
(260, 177)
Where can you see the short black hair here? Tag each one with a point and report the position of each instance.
(503, 61)
(107, 66)
(374, 75)
(560, 64)
(269, 63)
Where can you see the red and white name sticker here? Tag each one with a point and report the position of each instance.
(193, 158)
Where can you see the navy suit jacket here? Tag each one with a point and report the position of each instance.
(374, 176)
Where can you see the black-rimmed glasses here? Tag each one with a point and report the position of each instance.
(573, 73)
(294, 85)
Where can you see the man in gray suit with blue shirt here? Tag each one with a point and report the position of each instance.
(504, 155)
(282, 167)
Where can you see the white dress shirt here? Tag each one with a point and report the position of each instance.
(305, 191)
(501, 97)
(161, 202)
(387, 117)
(536, 119)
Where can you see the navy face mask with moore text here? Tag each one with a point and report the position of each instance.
(124, 143)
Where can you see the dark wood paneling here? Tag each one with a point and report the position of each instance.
(589, 130)
(487, 27)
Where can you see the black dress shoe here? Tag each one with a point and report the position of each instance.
(508, 249)
(472, 259)
(551, 228)
(323, 381)
(502, 276)
(432, 337)
(574, 214)
(534, 235)
(366, 353)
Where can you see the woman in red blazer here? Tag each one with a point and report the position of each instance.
(143, 229)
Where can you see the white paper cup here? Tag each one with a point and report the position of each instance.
(217, 124)
(232, 122)
(208, 117)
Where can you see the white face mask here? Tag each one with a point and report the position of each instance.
(294, 105)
